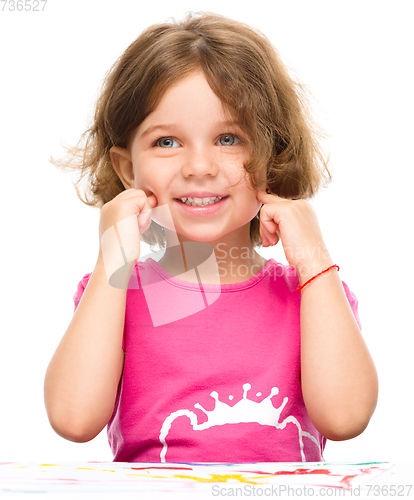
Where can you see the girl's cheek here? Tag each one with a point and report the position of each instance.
(142, 183)
(255, 209)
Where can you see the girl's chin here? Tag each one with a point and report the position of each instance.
(213, 237)
(200, 238)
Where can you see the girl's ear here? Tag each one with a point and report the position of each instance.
(122, 163)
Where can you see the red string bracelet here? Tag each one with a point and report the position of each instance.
(299, 288)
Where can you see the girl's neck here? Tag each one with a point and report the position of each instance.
(224, 261)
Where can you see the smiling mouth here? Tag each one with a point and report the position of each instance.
(200, 202)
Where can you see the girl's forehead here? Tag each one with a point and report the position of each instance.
(188, 97)
(188, 86)
(193, 93)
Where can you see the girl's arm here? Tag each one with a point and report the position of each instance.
(339, 379)
(82, 378)
(338, 376)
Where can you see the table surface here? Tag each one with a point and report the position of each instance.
(102, 480)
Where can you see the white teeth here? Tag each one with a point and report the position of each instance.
(199, 202)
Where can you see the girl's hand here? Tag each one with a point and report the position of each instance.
(122, 221)
(299, 230)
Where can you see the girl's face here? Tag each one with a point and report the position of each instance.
(186, 148)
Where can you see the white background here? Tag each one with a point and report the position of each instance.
(356, 57)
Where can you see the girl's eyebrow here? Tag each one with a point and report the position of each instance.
(171, 126)
(153, 128)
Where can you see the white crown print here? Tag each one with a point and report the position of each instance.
(244, 411)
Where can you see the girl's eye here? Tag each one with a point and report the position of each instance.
(167, 142)
(228, 140)
(225, 140)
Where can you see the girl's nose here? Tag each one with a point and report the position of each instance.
(199, 162)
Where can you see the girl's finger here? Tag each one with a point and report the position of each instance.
(268, 239)
(152, 200)
(271, 213)
(144, 217)
(267, 218)
(270, 225)
(144, 220)
(265, 239)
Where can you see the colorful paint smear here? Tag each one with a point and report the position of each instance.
(120, 476)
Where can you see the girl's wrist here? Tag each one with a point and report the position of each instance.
(308, 270)
(117, 275)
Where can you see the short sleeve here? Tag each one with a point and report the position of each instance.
(81, 288)
(353, 302)
(78, 295)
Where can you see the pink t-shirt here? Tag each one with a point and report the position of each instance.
(212, 372)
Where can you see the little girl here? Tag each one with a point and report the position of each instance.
(201, 145)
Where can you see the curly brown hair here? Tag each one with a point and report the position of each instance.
(243, 69)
